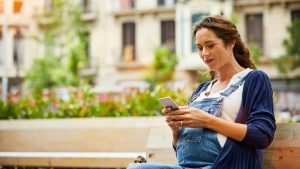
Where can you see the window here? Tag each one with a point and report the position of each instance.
(168, 34)
(166, 2)
(295, 15)
(86, 39)
(127, 4)
(196, 18)
(18, 52)
(18, 6)
(254, 29)
(128, 42)
(86, 5)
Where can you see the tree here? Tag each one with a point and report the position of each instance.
(291, 59)
(163, 66)
(255, 51)
(64, 37)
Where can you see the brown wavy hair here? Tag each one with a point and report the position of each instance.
(227, 31)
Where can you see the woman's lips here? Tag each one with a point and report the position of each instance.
(208, 61)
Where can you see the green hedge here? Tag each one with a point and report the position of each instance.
(83, 103)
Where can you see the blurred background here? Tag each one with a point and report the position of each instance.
(67, 64)
(86, 53)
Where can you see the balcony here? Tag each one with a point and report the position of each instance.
(130, 66)
(88, 10)
(142, 12)
(269, 3)
(15, 16)
(44, 15)
(89, 16)
(15, 21)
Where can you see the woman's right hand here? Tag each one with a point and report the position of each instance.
(175, 129)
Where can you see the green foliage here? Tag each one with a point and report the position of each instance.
(291, 58)
(83, 103)
(40, 75)
(234, 18)
(65, 40)
(7, 111)
(204, 75)
(255, 52)
(163, 67)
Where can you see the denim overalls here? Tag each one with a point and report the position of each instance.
(199, 147)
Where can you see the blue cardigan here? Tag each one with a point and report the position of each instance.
(257, 113)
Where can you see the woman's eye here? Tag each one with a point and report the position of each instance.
(200, 48)
(210, 46)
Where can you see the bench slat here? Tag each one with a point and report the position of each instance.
(68, 159)
(71, 154)
(67, 162)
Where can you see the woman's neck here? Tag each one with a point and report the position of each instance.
(226, 72)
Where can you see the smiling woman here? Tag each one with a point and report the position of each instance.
(228, 120)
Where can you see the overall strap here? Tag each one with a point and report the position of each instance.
(234, 86)
(198, 91)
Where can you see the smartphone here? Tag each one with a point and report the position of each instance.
(168, 102)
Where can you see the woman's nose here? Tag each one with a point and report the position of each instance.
(204, 52)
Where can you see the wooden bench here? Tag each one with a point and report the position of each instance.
(101, 142)
(283, 153)
(114, 143)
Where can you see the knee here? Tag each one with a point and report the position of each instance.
(133, 166)
(137, 166)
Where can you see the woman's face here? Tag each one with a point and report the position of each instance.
(212, 50)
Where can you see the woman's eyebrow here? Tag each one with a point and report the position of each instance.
(209, 41)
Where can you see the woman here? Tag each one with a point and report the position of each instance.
(230, 119)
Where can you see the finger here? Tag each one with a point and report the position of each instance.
(180, 123)
(170, 121)
(179, 112)
(183, 107)
(177, 117)
(177, 123)
(173, 124)
(169, 109)
(166, 110)
(171, 118)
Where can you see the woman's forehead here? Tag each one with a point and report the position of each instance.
(204, 35)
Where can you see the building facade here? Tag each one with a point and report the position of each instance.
(123, 35)
(265, 23)
(20, 25)
(132, 29)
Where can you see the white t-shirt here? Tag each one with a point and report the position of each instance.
(229, 110)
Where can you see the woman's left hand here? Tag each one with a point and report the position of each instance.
(189, 117)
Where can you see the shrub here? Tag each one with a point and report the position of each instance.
(84, 103)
